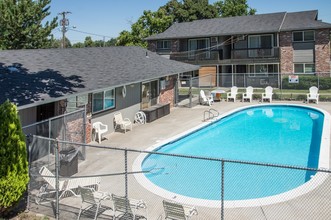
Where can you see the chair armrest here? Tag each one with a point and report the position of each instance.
(127, 119)
(190, 210)
(138, 203)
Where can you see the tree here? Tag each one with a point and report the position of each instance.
(22, 24)
(190, 10)
(78, 45)
(148, 24)
(229, 8)
(88, 42)
(57, 43)
(13, 157)
(179, 11)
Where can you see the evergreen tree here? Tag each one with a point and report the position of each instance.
(13, 157)
(21, 24)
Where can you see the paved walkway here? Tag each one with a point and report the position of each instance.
(178, 121)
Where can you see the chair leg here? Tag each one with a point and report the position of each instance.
(96, 212)
(99, 137)
(80, 212)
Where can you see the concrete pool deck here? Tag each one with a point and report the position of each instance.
(180, 120)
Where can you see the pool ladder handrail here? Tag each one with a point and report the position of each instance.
(212, 113)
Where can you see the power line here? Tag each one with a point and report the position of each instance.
(84, 32)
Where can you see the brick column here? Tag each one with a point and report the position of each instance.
(286, 52)
(322, 51)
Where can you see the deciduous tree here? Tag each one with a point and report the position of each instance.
(229, 8)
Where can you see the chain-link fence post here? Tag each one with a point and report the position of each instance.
(222, 191)
(57, 211)
(190, 93)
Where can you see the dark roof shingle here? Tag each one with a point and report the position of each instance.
(52, 73)
(251, 24)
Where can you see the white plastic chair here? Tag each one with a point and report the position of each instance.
(232, 94)
(248, 95)
(313, 94)
(100, 129)
(267, 95)
(122, 123)
(206, 100)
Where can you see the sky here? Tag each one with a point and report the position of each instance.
(105, 19)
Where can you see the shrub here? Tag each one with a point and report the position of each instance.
(305, 82)
(13, 157)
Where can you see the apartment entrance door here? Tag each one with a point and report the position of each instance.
(150, 91)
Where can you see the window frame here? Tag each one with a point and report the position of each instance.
(192, 53)
(304, 68)
(303, 36)
(162, 43)
(105, 107)
(266, 73)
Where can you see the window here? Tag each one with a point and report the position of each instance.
(164, 44)
(301, 36)
(103, 100)
(260, 45)
(304, 68)
(262, 69)
(199, 46)
(76, 101)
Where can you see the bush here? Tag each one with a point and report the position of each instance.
(13, 158)
(305, 82)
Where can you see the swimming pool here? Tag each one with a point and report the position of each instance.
(277, 134)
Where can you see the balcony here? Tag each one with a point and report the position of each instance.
(206, 56)
(255, 53)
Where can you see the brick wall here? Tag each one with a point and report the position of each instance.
(152, 45)
(286, 52)
(322, 51)
(167, 95)
(175, 45)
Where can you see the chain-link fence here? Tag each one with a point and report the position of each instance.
(285, 87)
(69, 127)
(128, 182)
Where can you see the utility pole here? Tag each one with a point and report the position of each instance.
(64, 23)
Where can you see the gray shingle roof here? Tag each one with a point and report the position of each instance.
(52, 73)
(251, 24)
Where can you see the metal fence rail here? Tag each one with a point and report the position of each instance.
(286, 87)
(222, 179)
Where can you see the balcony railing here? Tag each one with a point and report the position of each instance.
(254, 53)
(205, 55)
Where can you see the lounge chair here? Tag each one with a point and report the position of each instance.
(313, 94)
(65, 186)
(91, 199)
(178, 211)
(232, 94)
(100, 129)
(122, 123)
(267, 95)
(248, 95)
(128, 207)
(206, 100)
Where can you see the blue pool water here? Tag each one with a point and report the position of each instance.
(285, 135)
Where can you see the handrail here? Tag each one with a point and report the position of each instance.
(210, 115)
